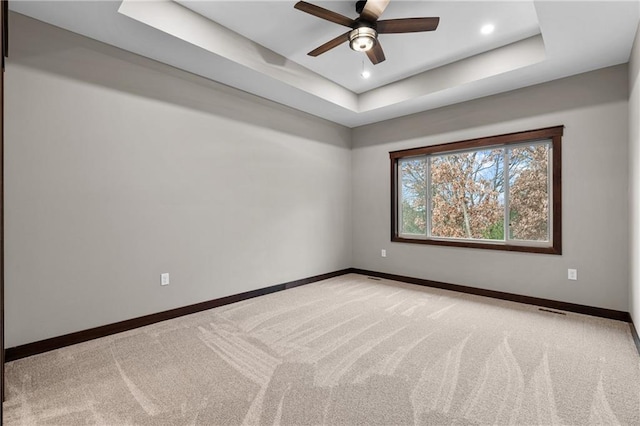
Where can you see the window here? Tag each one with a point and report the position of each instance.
(500, 192)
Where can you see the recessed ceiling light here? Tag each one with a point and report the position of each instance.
(487, 29)
(365, 74)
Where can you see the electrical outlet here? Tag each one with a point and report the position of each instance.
(164, 279)
(572, 274)
(383, 253)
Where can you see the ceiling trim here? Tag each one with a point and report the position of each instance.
(504, 59)
(180, 22)
(573, 37)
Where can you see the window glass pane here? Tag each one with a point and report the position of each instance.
(529, 192)
(413, 210)
(468, 195)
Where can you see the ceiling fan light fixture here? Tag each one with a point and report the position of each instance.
(363, 31)
(362, 39)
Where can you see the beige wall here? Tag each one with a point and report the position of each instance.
(634, 181)
(593, 107)
(119, 169)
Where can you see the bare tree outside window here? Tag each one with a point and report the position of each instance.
(529, 193)
(468, 195)
(414, 196)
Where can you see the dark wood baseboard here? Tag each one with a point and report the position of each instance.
(29, 349)
(634, 334)
(554, 304)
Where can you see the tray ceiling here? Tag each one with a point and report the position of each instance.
(260, 47)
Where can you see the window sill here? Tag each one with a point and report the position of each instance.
(490, 246)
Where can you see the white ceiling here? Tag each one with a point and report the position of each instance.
(293, 33)
(261, 46)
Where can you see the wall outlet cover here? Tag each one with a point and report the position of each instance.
(164, 279)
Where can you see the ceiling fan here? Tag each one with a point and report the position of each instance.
(363, 36)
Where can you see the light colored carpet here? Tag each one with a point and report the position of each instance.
(348, 350)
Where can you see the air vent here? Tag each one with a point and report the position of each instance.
(553, 312)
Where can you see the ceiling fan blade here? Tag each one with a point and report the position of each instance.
(330, 44)
(407, 25)
(376, 54)
(323, 13)
(373, 9)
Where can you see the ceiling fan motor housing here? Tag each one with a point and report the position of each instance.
(363, 38)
